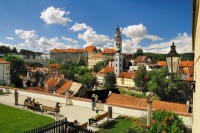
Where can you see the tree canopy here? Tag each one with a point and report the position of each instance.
(17, 68)
(110, 81)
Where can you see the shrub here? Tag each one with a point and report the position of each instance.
(166, 122)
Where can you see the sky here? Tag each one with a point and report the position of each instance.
(42, 25)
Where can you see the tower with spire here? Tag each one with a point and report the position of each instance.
(118, 59)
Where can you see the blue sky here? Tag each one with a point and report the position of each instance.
(42, 25)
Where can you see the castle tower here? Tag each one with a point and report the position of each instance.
(118, 59)
(118, 38)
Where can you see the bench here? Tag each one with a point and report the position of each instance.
(100, 117)
(84, 125)
(47, 108)
(28, 104)
(75, 128)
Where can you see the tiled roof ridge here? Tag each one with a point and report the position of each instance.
(143, 108)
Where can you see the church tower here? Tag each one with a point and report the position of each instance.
(118, 59)
(118, 38)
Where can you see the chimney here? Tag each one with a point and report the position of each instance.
(46, 87)
(188, 102)
(109, 63)
(113, 63)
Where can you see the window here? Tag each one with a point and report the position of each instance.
(7, 68)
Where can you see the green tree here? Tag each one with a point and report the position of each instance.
(158, 83)
(110, 81)
(141, 78)
(13, 50)
(17, 68)
(83, 70)
(88, 80)
(5, 49)
(68, 73)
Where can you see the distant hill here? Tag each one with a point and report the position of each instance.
(161, 57)
(188, 56)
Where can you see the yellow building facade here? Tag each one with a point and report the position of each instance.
(196, 47)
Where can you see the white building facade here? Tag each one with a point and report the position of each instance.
(4, 71)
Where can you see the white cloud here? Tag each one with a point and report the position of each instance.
(78, 27)
(10, 38)
(91, 37)
(137, 33)
(42, 44)
(153, 37)
(29, 37)
(69, 40)
(55, 16)
(183, 43)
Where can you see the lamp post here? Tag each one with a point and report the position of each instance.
(149, 107)
(173, 61)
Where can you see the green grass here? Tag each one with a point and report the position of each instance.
(118, 125)
(130, 93)
(14, 120)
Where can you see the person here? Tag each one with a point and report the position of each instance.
(27, 99)
(36, 104)
(94, 118)
(58, 106)
(96, 98)
(16, 95)
(93, 102)
(71, 128)
(67, 97)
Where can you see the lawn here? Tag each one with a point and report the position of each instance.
(14, 120)
(118, 125)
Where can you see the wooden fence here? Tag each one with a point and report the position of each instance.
(60, 127)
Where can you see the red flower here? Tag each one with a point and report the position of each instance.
(171, 118)
(182, 126)
(153, 121)
(163, 123)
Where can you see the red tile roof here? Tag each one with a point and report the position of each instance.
(65, 87)
(182, 63)
(156, 104)
(107, 69)
(69, 50)
(90, 48)
(140, 103)
(56, 66)
(3, 61)
(108, 51)
(52, 82)
(127, 75)
(140, 59)
(123, 100)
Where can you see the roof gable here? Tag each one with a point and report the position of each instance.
(3, 61)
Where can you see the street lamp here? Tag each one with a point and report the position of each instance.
(149, 97)
(173, 62)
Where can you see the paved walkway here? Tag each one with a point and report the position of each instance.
(70, 112)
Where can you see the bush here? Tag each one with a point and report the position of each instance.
(166, 122)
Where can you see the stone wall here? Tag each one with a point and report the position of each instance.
(73, 58)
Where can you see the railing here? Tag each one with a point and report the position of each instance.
(60, 127)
